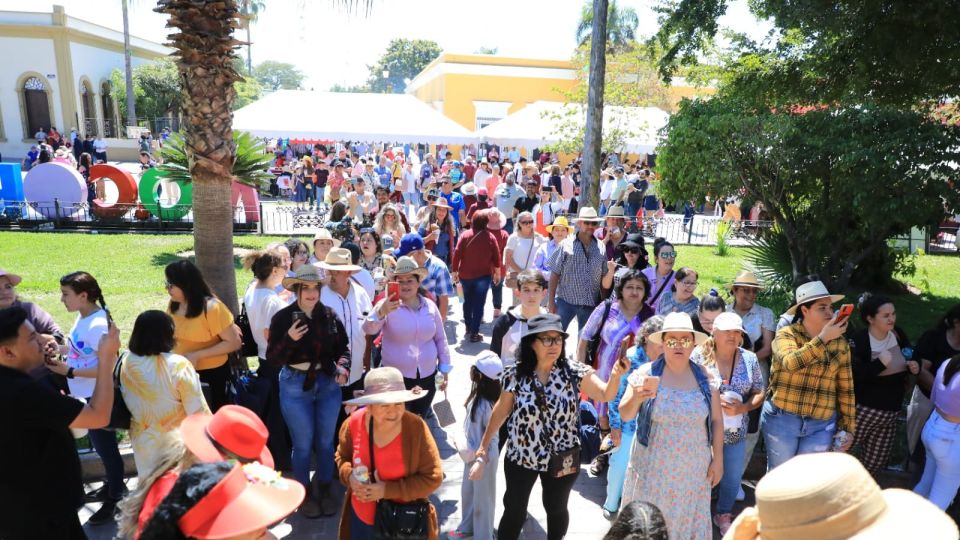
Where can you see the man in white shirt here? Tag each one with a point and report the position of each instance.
(100, 149)
(352, 305)
(483, 172)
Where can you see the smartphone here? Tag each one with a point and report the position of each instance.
(845, 311)
(651, 383)
(393, 291)
(386, 242)
(299, 316)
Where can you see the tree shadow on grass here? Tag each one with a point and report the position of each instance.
(163, 259)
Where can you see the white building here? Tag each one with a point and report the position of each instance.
(55, 71)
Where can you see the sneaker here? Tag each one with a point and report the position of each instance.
(310, 508)
(723, 522)
(598, 466)
(608, 515)
(106, 514)
(741, 495)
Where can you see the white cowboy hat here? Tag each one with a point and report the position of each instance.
(814, 290)
(745, 279)
(677, 322)
(307, 274)
(468, 189)
(384, 386)
(324, 234)
(406, 265)
(615, 212)
(339, 259)
(588, 214)
(830, 496)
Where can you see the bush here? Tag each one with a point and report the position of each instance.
(724, 230)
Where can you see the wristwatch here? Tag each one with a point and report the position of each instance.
(69, 373)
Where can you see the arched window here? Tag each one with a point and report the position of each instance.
(88, 109)
(109, 114)
(36, 106)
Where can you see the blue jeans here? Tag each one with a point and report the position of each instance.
(497, 293)
(474, 299)
(311, 417)
(787, 435)
(617, 469)
(733, 457)
(568, 311)
(941, 474)
(508, 226)
(105, 443)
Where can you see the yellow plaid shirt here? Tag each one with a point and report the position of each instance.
(811, 378)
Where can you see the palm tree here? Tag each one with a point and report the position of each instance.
(621, 26)
(593, 136)
(127, 67)
(204, 45)
(251, 10)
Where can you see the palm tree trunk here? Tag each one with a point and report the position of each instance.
(128, 69)
(593, 137)
(205, 47)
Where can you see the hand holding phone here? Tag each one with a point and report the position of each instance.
(393, 291)
(844, 313)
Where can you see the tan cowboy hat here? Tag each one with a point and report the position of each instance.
(324, 234)
(677, 322)
(384, 386)
(588, 214)
(406, 265)
(307, 274)
(615, 212)
(339, 259)
(560, 222)
(745, 279)
(830, 496)
(468, 189)
(808, 292)
(441, 202)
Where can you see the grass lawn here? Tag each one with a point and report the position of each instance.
(129, 268)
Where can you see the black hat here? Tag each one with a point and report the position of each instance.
(634, 240)
(544, 323)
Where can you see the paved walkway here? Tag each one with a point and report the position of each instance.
(586, 518)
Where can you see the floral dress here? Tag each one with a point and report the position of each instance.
(672, 471)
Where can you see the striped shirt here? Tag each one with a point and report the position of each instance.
(438, 280)
(811, 378)
(580, 269)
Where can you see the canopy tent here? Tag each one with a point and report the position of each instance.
(390, 118)
(535, 126)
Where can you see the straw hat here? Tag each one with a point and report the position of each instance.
(560, 221)
(324, 234)
(745, 279)
(588, 214)
(615, 212)
(830, 496)
(441, 202)
(233, 432)
(383, 386)
(406, 265)
(339, 259)
(809, 292)
(307, 274)
(14, 278)
(468, 189)
(728, 320)
(677, 322)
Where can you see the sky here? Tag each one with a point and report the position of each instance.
(333, 46)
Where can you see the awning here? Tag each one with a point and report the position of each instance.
(534, 126)
(388, 118)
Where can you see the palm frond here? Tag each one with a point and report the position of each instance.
(251, 166)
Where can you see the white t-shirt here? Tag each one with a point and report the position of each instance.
(606, 189)
(352, 310)
(409, 181)
(100, 145)
(262, 304)
(521, 247)
(480, 178)
(365, 279)
(84, 339)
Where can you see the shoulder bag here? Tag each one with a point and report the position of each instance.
(398, 521)
(120, 416)
(249, 345)
(593, 344)
(562, 463)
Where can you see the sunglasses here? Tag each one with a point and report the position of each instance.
(528, 222)
(632, 250)
(668, 254)
(367, 230)
(550, 341)
(674, 343)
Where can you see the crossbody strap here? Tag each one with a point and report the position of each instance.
(373, 463)
(603, 322)
(662, 287)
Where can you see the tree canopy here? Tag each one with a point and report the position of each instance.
(403, 60)
(621, 27)
(273, 75)
(156, 87)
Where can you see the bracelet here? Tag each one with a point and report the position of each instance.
(69, 373)
(480, 460)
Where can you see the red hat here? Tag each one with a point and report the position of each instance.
(234, 432)
(250, 497)
(482, 191)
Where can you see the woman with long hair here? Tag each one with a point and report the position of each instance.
(299, 254)
(205, 333)
(933, 348)
(388, 223)
(661, 274)
(476, 264)
(521, 247)
(632, 255)
(371, 252)
(439, 231)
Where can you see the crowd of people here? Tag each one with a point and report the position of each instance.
(351, 338)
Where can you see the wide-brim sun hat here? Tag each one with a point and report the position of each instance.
(615, 212)
(384, 386)
(249, 498)
(232, 432)
(745, 279)
(678, 322)
(340, 260)
(441, 202)
(809, 292)
(406, 265)
(634, 240)
(324, 234)
(307, 274)
(830, 496)
(14, 278)
(728, 321)
(468, 189)
(547, 322)
(588, 214)
(561, 221)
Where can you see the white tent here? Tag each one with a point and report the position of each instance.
(399, 118)
(535, 126)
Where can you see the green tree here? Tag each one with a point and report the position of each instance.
(273, 75)
(402, 61)
(250, 11)
(251, 166)
(349, 89)
(839, 181)
(248, 90)
(621, 26)
(156, 88)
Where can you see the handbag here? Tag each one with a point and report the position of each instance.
(248, 345)
(120, 417)
(511, 280)
(395, 520)
(593, 344)
(565, 462)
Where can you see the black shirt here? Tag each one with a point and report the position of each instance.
(526, 204)
(933, 346)
(883, 393)
(41, 479)
(322, 176)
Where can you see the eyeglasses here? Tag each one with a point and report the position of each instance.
(668, 254)
(674, 343)
(689, 283)
(550, 341)
(528, 222)
(300, 253)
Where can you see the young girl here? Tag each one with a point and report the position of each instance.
(479, 489)
(81, 294)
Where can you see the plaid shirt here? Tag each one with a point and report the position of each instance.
(810, 378)
(580, 269)
(438, 280)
